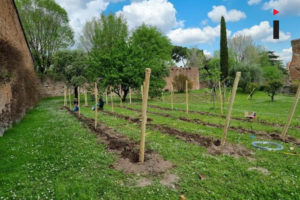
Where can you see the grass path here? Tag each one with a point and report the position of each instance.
(49, 155)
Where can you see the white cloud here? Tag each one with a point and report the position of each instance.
(263, 32)
(285, 55)
(230, 15)
(159, 13)
(81, 10)
(253, 2)
(192, 36)
(285, 7)
(207, 54)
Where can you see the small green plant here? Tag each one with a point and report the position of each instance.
(272, 87)
(251, 88)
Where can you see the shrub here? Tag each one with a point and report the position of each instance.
(180, 81)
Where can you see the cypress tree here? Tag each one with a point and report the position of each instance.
(223, 50)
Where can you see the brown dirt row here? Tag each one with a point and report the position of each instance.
(261, 134)
(127, 149)
(233, 118)
(212, 145)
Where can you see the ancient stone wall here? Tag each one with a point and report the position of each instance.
(294, 66)
(18, 81)
(51, 88)
(191, 72)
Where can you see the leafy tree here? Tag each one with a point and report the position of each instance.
(212, 76)
(47, 30)
(180, 53)
(109, 54)
(272, 87)
(149, 48)
(272, 73)
(223, 50)
(87, 35)
(196, 58)
(71, 67)
(250, 73)
(243, 49)
(252, 87)
(179, 83)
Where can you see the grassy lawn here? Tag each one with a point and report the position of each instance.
(51, 155)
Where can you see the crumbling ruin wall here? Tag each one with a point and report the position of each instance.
(294, 67)
(50, 88)
(18, 81)
(191, 72)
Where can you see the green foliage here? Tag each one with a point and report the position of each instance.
(272, 87)
(109, 56)
(179, 53)
(179, 83)
(196, 58)
(272, 73)
(70, 66)
(249, 73)
(149, 48)
(47, 29)
(120, 60)
(223, 50)
(251, 88)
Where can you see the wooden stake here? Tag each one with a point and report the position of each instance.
(162, 95)
(129, 95)
(85, 97)
(187, 97)
(172, 96)
(111, 99)
(144, 115)
(250, 94)
(142, 91)
(78, 91)
(220, 93)
(283, 135)
(236, 81)
(65, 96)
(96, 107)
(106, 96)
(229, 95)
(70, 98)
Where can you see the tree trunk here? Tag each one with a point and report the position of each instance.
(75, 92)
(214, 98)
(125, 94)
(272, 97)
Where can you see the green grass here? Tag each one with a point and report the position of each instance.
(50, 155)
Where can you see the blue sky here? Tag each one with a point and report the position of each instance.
(196, 22)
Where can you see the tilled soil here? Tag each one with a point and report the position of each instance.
(262, 135)
(127, 149)
(212, 145)
(233, 118)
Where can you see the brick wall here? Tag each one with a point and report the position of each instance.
(294, 67)
(191, 72)
(19, 93)
(51, 88)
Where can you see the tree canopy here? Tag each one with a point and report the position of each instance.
(121, 60)
(223, 50)
(47, 30)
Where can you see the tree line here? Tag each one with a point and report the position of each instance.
(110, 54)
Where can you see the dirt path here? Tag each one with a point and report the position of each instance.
(262, 135)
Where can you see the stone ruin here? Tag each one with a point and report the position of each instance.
(294, 66)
